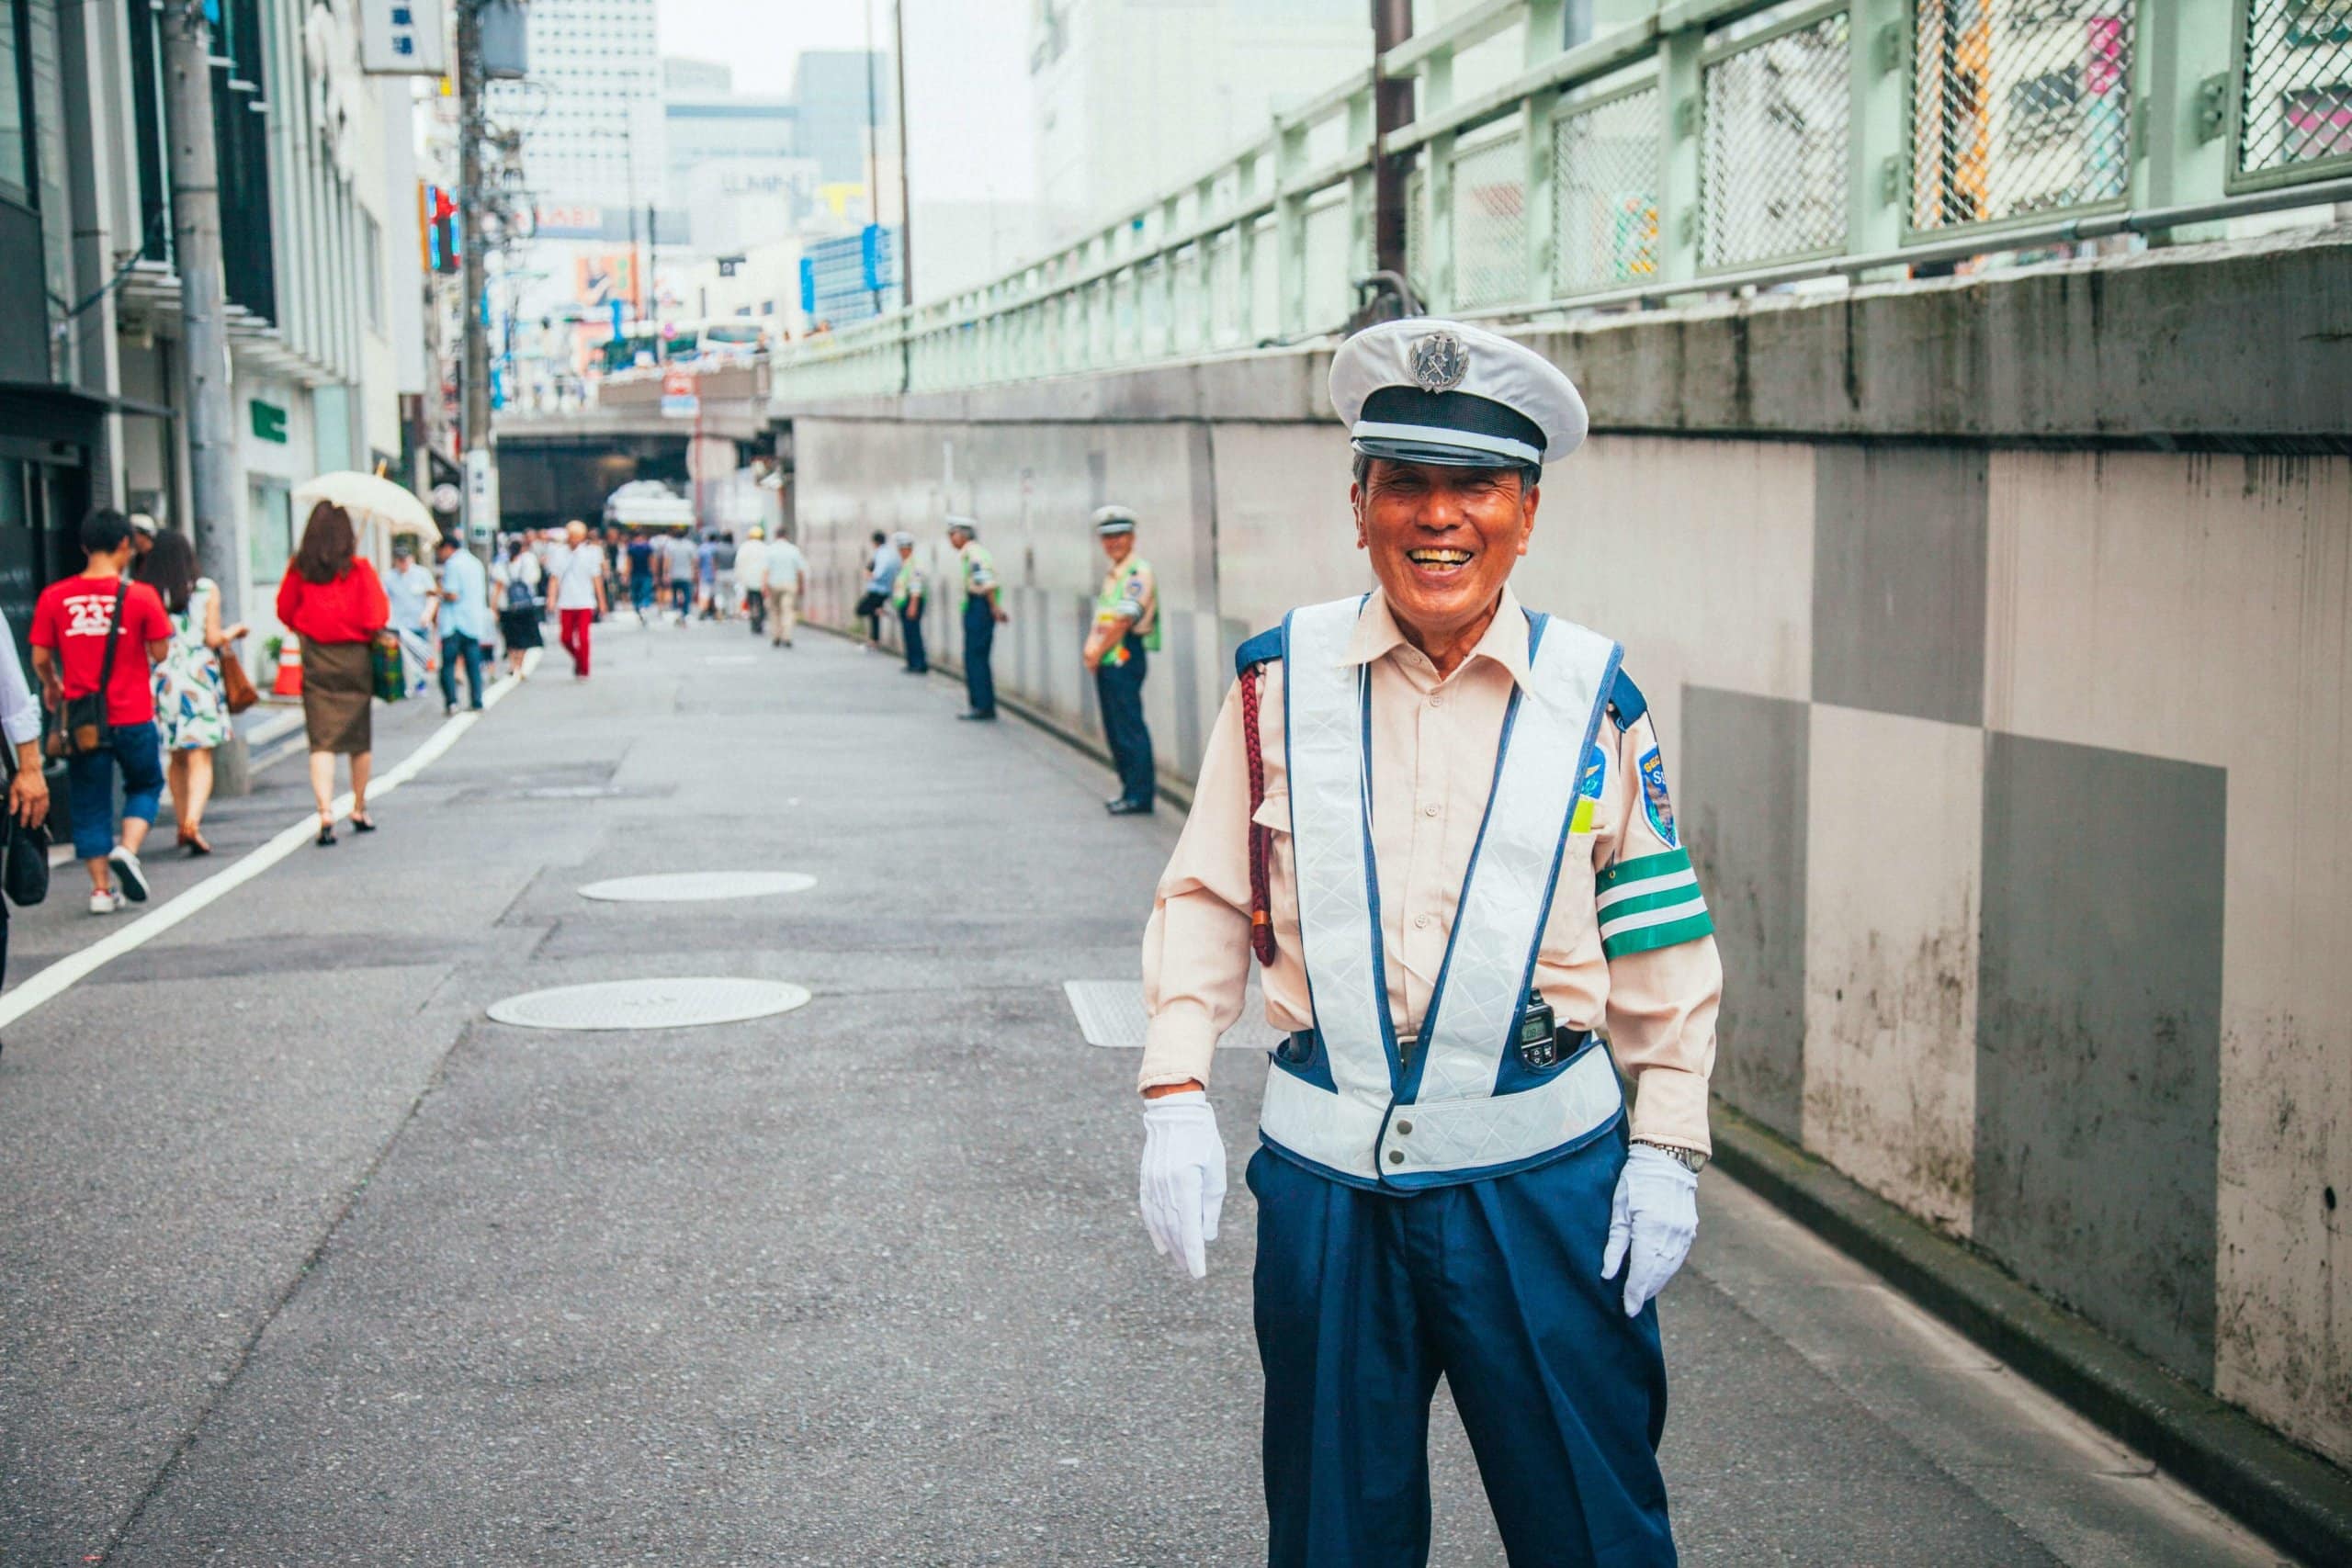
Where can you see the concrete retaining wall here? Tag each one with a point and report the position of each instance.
(2016, 749)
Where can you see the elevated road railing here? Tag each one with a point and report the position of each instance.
(1690, 147)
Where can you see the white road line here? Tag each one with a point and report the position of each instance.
(55, 980)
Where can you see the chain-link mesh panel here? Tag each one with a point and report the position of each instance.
(2018, 107)
(2295, 102)
(1772, 162)
(1605, 179)
(1490, 225)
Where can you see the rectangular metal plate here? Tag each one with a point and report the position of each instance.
(1110, 1013)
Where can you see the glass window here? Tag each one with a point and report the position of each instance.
(14, 180)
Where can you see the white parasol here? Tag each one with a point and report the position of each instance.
(369, 499)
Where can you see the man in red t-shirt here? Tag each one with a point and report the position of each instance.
(72, 622)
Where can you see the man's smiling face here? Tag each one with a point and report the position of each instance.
(1443, 540)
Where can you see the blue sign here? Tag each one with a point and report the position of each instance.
(852, 279)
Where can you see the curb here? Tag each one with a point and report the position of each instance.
(2297, 1501)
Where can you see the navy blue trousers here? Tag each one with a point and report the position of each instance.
(1365, 1299)
(911, 629)
(980, 643)
(1120, 690)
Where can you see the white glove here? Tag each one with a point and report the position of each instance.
(1652, 1221)
(1183, 1177)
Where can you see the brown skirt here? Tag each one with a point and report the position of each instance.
(338, 696)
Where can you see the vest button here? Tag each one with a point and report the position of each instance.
(1404, 1128)
(1396, 1157)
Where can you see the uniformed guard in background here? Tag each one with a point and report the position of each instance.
(1126, 627)
(977, 592)
(1441, 822)
(906, 599)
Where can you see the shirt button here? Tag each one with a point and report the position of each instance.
(1428, 810)
(1437, 702)
(1421, 920)
(1396, 1157)
(1404, 1128)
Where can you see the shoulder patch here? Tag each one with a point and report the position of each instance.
(1596, 774)
(1262, 648)
(1626, 703)
(1655, 804)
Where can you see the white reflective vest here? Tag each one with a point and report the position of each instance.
(1462, 1106)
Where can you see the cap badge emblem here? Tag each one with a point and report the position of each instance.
(1439, 362)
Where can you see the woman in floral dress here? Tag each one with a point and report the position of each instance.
(191, 709)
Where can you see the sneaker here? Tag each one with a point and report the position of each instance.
(107, 902)
(133, 875)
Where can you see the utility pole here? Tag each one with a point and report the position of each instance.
(906, 199)
(214, 474)
(473, 427)
(1392, 24)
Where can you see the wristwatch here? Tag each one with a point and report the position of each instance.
(1690, 1160)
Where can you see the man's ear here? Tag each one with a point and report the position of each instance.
(1355, 505)
(1527, 505)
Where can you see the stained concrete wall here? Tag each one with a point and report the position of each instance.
(2016, 748)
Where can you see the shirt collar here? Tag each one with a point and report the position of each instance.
(1505, 641)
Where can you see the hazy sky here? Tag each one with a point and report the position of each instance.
(968, 84)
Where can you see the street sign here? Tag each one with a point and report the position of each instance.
(481, 496)
(681, 397)
(401, 38)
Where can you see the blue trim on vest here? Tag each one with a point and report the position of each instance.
(1610, 678)
(1411, 1090)
(1315, 1069)
(1263, 648)
(1625, 699)
(1371, 889)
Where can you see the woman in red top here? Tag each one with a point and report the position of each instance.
(331, 598)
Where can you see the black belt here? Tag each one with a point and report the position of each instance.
(1549, 1050)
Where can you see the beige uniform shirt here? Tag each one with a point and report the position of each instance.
(1434, 751)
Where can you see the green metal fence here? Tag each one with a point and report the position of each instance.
(1701, 145)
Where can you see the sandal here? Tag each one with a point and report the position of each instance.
(326, 836)
(360, 824)
(193, 841)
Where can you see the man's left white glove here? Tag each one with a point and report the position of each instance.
(1652, 1223)
(1183, 1177)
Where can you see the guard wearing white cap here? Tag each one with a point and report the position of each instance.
(1118, 649)
(1441, 822)
(906, 599)
(983, 611)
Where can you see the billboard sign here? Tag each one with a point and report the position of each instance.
(403, 38)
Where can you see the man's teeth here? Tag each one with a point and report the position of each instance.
(1439, 557)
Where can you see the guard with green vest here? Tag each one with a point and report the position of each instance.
(976, 592)
(906, 599)
(1126, 627)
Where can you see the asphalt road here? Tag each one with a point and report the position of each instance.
(304, 1261)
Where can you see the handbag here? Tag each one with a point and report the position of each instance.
(82, 727)
(23, 862)
(238, 692)
(388, 667)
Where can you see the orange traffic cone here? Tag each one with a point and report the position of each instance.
(288, 683)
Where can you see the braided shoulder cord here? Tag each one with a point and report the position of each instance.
(1262, 920)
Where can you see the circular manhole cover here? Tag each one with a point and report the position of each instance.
(690, 886)
(683, 1003)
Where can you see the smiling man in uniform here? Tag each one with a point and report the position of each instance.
(1439, 821)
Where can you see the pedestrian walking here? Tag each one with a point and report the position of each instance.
(191, 705)
(330, 598)
(722, 576)
(787, 579)
(641, 573)
(20, 727)
(1124, 634)
(752, 576)
(464, 614)
(576, 571)
(881, 578)
(409, 588)
(982, 612)
(906, 599)
(95, 638)
(684, 557)
(518, 583)
(1460, 805)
